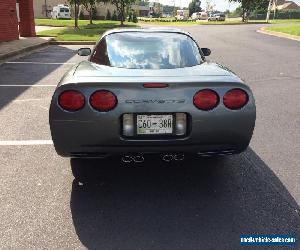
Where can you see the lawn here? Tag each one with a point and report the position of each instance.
(292, 29)
(86, 31)
(202, 22)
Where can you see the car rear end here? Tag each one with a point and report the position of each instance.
(99, 119)
(150, 92)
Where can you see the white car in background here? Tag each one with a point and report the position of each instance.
(199, 16)
(216, 17)
(61, 11)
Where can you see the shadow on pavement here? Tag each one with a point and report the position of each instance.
(31, 74)
(205, 204)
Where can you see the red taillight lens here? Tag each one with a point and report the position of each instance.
(71, 100)
(206, 99)
(235, 99)
(103, 100)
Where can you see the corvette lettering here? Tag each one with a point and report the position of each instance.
(155, 101)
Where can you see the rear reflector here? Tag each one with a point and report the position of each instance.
(206, 99)
(103, 100)
(235, 99)
(71, 100)
(155, 85)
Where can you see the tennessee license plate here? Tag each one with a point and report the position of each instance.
(154, 124)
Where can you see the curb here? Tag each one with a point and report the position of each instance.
(278, 34)
(72, 42)
(23, 50)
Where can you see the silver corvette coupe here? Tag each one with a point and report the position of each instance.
(150, 91)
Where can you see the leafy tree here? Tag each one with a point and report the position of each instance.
(121, 5)
(108, 15)
(76, 4)
(90, 6)
(251, 5)
(194, 6)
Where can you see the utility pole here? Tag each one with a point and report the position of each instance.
(269, 10)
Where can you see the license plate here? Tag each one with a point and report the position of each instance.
(154, 124)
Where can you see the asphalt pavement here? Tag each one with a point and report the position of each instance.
(203, 204)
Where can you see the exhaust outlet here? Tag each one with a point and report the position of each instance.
(168, 158)
(138, 158)
(127, 158)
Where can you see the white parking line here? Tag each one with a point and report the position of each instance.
(27, 85)
(39, 63)
(26, 142)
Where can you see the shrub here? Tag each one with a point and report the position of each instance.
(81, 15)
(114, 16)
(134, 18)
(108, 15)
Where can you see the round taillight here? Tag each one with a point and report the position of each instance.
(71, 100)
(206, 99)
(235, 99)
(103, 100)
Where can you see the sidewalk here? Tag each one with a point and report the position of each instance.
(14, 48)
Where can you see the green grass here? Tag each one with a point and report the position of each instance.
(86, 31)
(70, 23)
(204, 22)
(285, 21)
(292, 29)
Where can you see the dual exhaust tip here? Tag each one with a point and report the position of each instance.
(140, 158)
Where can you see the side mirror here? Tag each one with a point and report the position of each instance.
(84, 52)
(206, 51)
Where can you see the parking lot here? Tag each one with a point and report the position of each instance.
(202, 204)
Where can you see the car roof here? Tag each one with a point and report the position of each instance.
(146, 30)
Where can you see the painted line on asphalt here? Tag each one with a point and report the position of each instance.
(32, 100)
(28, 85)
(39, 63)
(26, 143)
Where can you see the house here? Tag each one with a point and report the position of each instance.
(140, 10)
(285, 5)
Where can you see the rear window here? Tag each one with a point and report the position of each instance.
(147, 50)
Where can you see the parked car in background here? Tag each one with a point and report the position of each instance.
(182, 15)
(216, 17)
(61, 11)
(199, 16)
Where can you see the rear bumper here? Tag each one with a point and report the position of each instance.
(100, 138)
(91, 133)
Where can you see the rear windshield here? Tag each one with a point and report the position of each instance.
(151, 50)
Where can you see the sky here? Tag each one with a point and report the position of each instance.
(221, 5)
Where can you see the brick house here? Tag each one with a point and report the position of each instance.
(10, 29)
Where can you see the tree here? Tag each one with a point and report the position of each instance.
(76, 4)
(121, 5)
(251, 5)
(90, 6)
(194, 6)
